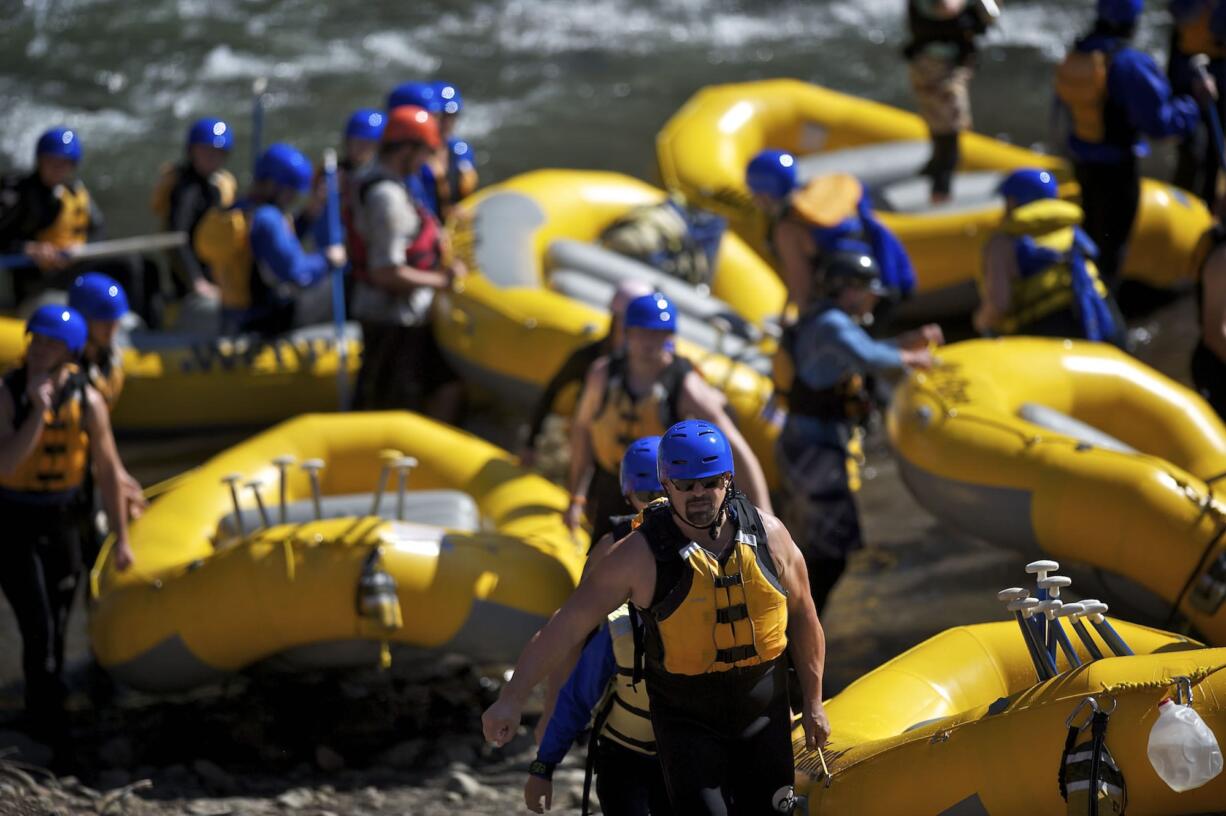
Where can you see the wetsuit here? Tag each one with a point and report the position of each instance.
(715, 664)
(1209, 370)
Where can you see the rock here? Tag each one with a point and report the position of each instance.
(116, 752)
(458, 750)
(27, 750)
(574, 795)
(404, 755)
(213, 775)
(463, 784)
(373, 797)
(112, 778)
(296, 798)
(328, 760)
(454, 797)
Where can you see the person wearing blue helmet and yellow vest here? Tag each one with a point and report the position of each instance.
(187, 190)
(831, 213)
(602, 684)
(1039, 276)
(830, 356)
(100, 299)
(253, 250)
(53, 424)
(640, 391)
(1115, 96)
(454, 167)
(723, 593)
(1199, 28)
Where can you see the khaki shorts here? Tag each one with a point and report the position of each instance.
(942, 91)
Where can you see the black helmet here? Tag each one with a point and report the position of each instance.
(839, 270)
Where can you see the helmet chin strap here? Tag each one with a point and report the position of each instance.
(714, 527)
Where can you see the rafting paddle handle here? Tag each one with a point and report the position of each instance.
(1095, 611)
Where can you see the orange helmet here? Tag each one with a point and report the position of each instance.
(409, 123)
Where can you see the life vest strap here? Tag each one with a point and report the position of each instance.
(735, 654)
(725, 581)
(732, 614)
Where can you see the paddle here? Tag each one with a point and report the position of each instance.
(332, 214)
(106, 249)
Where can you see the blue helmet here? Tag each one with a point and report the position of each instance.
(772, 172)
(693, 449)
(60, 141)
(449, 98)
(61, 323)
(421, 94)
(211, 132)
(652, 311)
(365, 123)
(1120, 12)
(98, 297)
(638, 471)
(285, 165)
(1025, 186)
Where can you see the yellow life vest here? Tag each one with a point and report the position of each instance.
(1193, 35)
(829, 200)
(628, 721)
(623, 418)
(168, 178)
(1081, 84)
(729, 612)
(61, 455)
(222, 242)
(71, 225)
(1049, 223)
(106, 376)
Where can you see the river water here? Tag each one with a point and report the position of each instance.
(546, 83)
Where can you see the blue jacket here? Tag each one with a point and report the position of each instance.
(275, 245)
(1143, 98)
(584, 688)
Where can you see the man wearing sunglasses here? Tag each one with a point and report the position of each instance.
(640, 392)
(723, 592)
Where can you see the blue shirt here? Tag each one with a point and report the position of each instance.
(1139, 89)
(274, 244)
(583, 690)
(830, 347)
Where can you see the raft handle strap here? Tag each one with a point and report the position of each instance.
(1200, 565)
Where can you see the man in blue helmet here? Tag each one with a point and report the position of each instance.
(1115, 97)
(828, 214)
(641, 391)
(53, 426)
(253, 249)
(602, 684)
(48, 211)
(187, 190)
(453, 169)
(360, 144)
(723, 593)
(1199, 28)
(1039, 276)
(829, 357)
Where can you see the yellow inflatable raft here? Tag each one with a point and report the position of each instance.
(472, 560)
(186, 382)
(705, 146)
(538, 289)
(1080, 451)
(957, 725)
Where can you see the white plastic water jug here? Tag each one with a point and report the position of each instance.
(1182, 749)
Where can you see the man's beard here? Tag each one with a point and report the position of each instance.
(700, 512)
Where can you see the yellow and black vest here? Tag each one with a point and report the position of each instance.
(1045, 287)
(1193, 35)
(170, 176)
(712, 614)
(106, 375)
(624, 417)
(1081, 85)
(71, 225)
(626, 717)
(60, 461)
(222, 240)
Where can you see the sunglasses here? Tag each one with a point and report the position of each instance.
(689, 485)
(647, 496)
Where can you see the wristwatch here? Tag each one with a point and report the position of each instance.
(542, 769)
